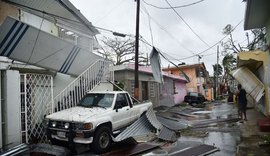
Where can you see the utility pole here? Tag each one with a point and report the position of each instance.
(136, 85)
(217, 71)
(199, 58)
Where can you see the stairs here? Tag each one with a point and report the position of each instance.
(98, 72)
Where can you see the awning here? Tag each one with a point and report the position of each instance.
(253, 86)
(24, 43)
(60, 11)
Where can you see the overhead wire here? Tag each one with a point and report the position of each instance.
(175, 7)
(149, 24)
(111, 10)
(169, 34)
(215, 43)
(187, 24)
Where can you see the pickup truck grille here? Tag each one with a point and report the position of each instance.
(59, 124)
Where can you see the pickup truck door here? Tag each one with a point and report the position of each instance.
(121, 117)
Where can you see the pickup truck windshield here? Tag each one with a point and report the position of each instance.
(97, 100)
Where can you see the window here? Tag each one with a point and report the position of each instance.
(122, 100)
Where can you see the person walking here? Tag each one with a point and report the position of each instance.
(242, 102)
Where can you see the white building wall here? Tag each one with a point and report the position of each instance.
(61, 81)
(11, 108)
(39, 23)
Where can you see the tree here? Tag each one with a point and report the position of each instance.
(218, 70)
(229, 64)
(231, 46)
(120, 50)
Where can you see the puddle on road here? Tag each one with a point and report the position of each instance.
(226, 142)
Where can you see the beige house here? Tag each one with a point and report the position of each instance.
(254, 65)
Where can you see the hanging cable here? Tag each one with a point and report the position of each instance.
(187, 24)
(149, 24)
(175, 7)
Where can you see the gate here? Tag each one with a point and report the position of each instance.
(36, 94)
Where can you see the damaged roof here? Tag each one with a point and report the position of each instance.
(60, 11)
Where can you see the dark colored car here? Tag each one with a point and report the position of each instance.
(193, 97)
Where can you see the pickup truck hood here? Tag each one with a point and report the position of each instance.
(77, 114)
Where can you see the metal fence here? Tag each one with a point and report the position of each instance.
(36, 92)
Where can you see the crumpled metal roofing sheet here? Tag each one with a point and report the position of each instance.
(167, 134)
(140, 127)
(172, 124)
(151, 116)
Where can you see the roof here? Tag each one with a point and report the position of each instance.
(60, 11)
(147, 70)
(257, 14)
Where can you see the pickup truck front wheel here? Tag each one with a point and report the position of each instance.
(102, 139)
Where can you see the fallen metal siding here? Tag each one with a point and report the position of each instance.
(140, 127)
(151, 116)
(172, 124)
(167, 134)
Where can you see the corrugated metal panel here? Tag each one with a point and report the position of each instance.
(173, 124)
(167, 134)
(249, 82)
(140, 127)
(151, 116)
(60, 10)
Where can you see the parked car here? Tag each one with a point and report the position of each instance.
(95, 119)
(194, 97)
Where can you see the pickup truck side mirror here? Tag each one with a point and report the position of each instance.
(117, 106)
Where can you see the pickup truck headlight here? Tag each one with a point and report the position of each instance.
(54, 123)
(66, 126)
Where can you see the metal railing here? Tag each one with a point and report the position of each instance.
(85, 82)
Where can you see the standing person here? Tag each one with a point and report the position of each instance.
(242, 102)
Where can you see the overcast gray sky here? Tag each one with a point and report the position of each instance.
(170, 34)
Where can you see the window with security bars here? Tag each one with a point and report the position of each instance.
(152, 89)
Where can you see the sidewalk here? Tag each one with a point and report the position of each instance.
(251, 136)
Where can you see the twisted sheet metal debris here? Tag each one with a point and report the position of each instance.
(173, 124)
(167, 134)
(140, 127)
(151, 116)
(147, 124)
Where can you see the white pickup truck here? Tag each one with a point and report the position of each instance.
(97, 117)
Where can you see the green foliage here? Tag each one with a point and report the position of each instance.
(218, 70)
(120, 85)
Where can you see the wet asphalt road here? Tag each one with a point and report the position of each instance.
(225, 135)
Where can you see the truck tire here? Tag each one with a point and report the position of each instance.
(102, 139)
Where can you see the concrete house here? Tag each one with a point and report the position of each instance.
(46, 64)
(171, 92)
(198, 75)
(253, 66)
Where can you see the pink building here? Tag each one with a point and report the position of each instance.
(169, 93)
